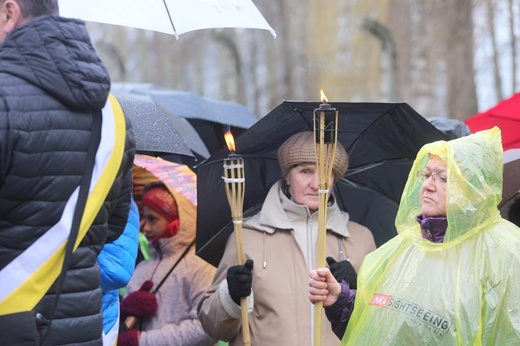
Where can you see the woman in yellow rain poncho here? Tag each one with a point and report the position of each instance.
(440, 281)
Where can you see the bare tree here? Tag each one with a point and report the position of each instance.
(496, 61)
(419, 51)
(461, 89)
(512, 32)
(389, 82)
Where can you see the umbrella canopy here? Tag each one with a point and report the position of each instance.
(154, 131)
(177, 177)
(210, 118)
(168, 16)
(186, 130)
(453, 128)
(192, 106)
(382, 140)
(505, 115)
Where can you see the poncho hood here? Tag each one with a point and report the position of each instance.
(474, 188)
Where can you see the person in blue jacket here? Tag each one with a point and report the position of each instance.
(117, 263)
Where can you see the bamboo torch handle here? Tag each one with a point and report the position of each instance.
(320, 263)
(235, 185)
(243, 300)
(322, 222)
(324, 162)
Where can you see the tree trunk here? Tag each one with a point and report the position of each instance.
(496, 57)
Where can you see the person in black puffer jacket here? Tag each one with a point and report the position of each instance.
(52, 85)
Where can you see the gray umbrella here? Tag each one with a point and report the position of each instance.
(210, 118)
(189, 105)
(453, 128)
(190, 135)
(153, 129)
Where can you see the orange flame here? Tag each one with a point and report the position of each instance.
(323, 97)
(228, 136)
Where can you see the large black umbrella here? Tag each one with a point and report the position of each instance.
(382, 140)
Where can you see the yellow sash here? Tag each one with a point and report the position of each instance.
(29, 276)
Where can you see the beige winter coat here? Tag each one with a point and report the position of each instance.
(281, 313)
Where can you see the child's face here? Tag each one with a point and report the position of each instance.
(154, 223)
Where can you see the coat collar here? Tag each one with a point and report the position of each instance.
(279, 212)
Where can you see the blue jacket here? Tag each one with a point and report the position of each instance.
(117, 262)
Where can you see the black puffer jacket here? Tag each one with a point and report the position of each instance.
(51, 80)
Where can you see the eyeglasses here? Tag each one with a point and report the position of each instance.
(423, 176)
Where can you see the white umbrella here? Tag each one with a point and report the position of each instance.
(168, 16)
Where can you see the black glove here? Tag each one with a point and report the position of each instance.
(239, 279)
(343, 270)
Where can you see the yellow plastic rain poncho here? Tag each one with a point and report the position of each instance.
(464, 291)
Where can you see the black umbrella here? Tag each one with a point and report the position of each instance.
(154, 131)
(382, 140)
(511, 182)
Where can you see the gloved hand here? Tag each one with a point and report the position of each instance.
(129, 338)
(240, 279)
(343, 270)
(141, 303)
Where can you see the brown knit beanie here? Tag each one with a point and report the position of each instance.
(301, 148)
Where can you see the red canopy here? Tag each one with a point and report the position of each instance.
(505, 115)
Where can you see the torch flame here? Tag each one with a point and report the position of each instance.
(323, 97)
(228, 136)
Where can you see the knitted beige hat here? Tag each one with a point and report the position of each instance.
(301, 148)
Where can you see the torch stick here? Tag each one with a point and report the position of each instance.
(325, 120)
(234, 181)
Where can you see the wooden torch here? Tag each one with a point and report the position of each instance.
(326, 133)
(234, 182)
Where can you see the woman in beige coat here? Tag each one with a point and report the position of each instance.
(280, 241)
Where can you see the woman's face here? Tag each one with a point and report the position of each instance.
(154, 223)
(433, 193)
(302, 181)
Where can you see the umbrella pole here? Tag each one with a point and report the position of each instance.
(235, 185)
(325, 120)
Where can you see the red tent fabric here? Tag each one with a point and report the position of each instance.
(505, 115)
